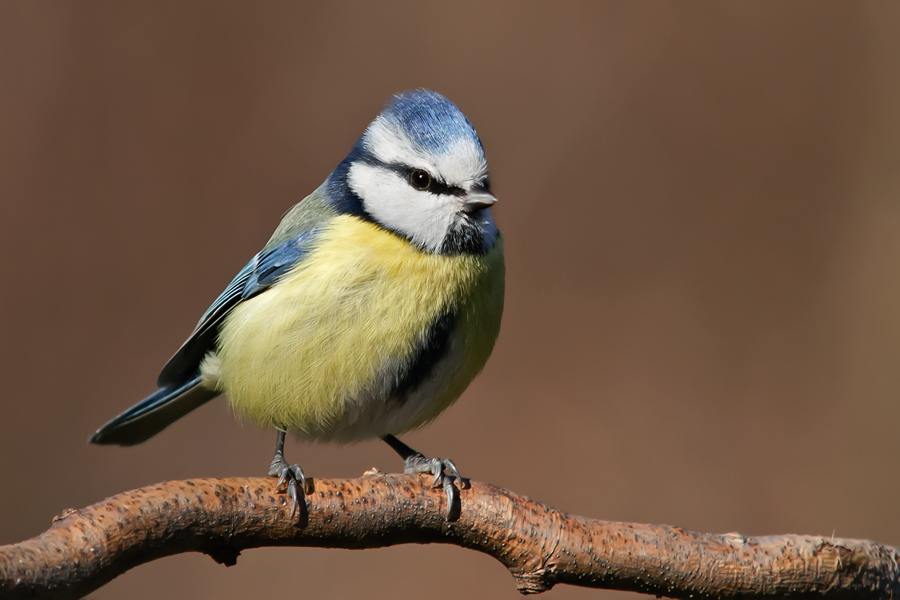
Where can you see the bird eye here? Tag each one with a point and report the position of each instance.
(420, 179)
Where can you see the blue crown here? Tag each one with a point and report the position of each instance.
(430, 120)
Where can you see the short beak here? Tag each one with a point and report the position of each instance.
(475, 201)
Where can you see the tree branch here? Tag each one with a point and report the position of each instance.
(540, 545)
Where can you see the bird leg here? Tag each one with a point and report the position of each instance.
(290, 474)
(415, 462)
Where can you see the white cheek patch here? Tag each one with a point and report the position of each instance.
(423, 217)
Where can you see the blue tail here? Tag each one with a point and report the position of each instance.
(153, 414)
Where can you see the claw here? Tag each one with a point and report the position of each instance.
(416, 463)
(290, 477)
(453, 501)
(292, 494)
(282, 478)
(301, 479)
(437, 468)
(293, 477)
(451, 466)
(292, 473)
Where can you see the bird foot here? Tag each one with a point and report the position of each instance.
(417, 463)
(291, 479)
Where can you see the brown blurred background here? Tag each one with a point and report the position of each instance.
(702, 210)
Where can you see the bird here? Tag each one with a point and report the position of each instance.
(372, 307)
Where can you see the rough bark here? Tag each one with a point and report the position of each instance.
(540, 545)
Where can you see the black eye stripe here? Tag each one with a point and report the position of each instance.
(439, 187)
(436, 187)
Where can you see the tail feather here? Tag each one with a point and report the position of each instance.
(153, 414)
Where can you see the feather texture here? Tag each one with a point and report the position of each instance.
(325, 352)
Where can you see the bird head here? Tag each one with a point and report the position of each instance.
(419, 171)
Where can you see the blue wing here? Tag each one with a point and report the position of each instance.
(257, 276)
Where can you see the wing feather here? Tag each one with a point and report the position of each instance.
(257, 276)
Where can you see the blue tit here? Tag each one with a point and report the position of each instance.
(369, 311)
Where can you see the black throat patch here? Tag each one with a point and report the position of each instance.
(464, 238)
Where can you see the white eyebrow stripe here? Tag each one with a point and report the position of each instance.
(390, 147)
(462, 165)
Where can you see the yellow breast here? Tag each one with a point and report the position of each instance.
(315, 353)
